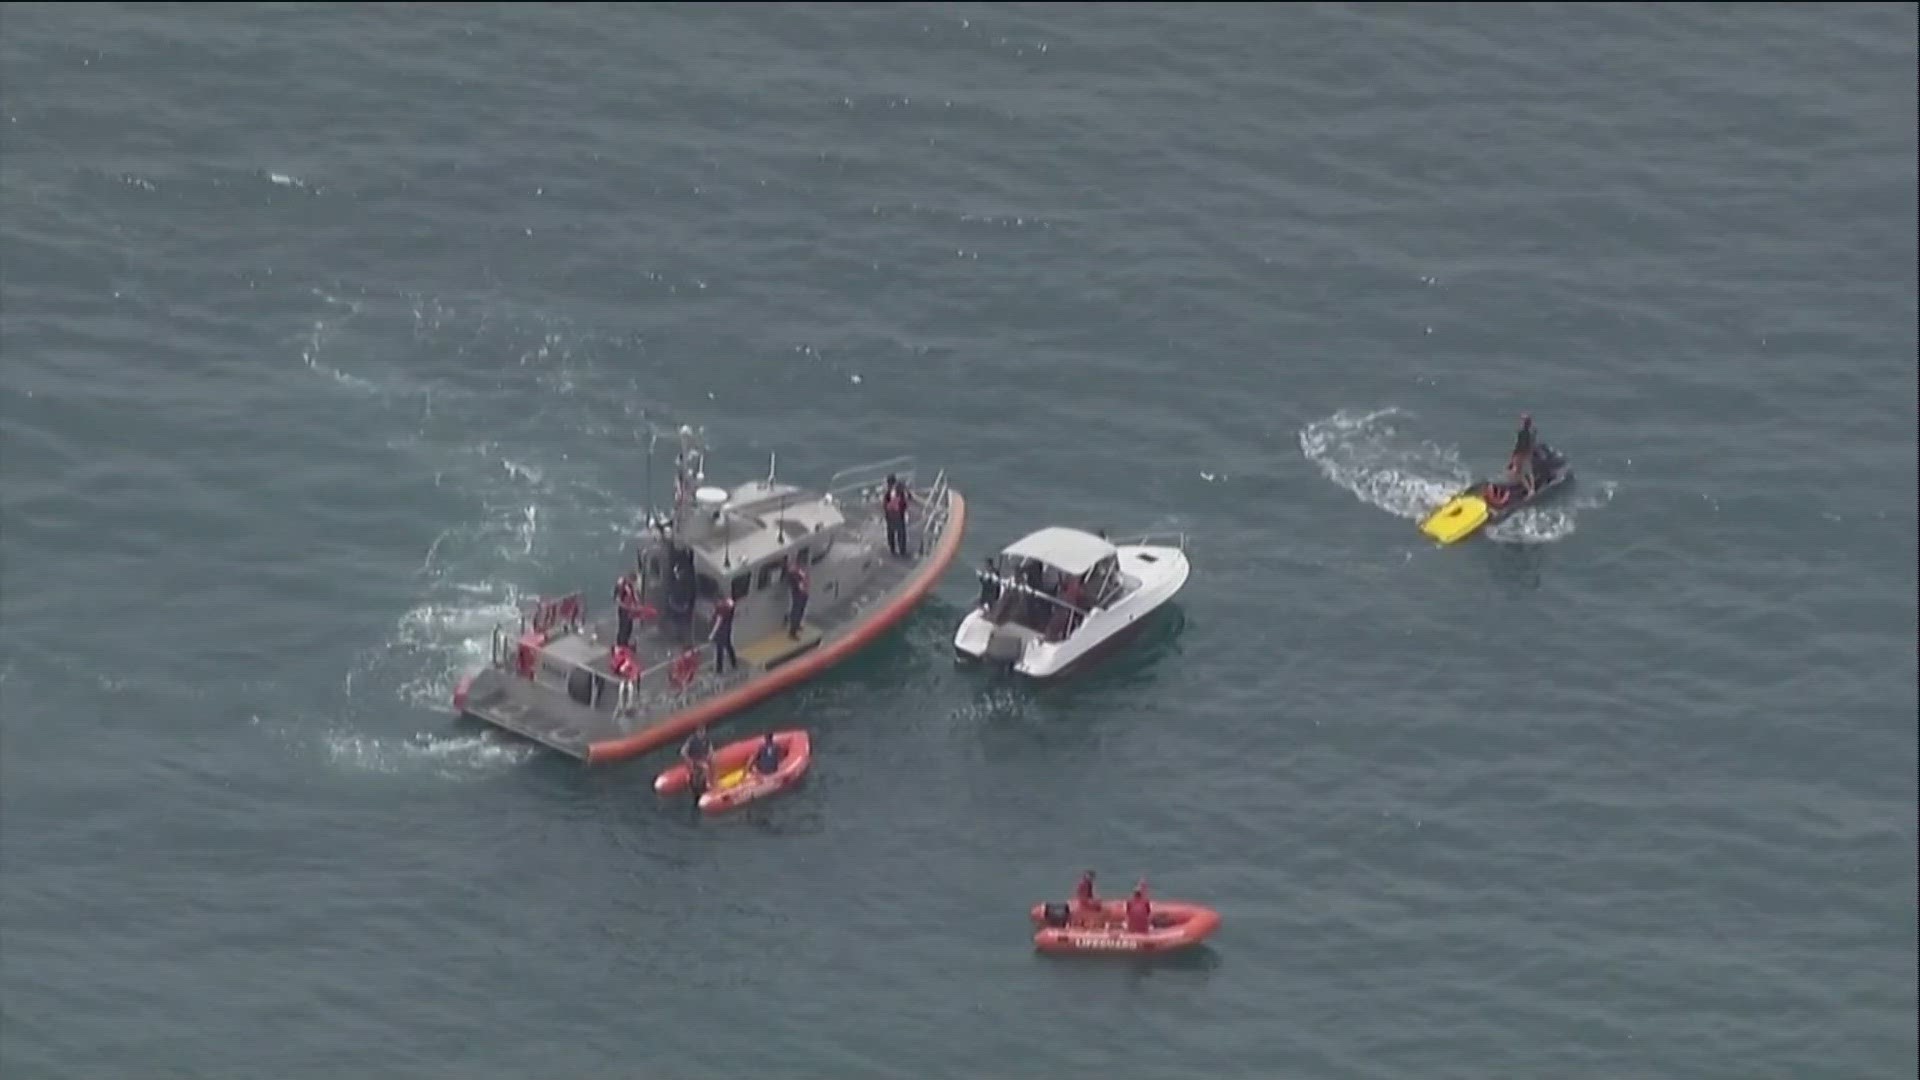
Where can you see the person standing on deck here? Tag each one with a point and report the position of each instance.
(894, 502)
(797, 590)
(626, 597)
(722, 636)
(989, 584)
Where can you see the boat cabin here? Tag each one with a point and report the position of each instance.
(1047, 581)
(735, 543)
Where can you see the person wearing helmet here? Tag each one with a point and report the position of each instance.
(1139, 910)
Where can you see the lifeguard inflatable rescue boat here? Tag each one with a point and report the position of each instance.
(735, 781)
(1065, 927)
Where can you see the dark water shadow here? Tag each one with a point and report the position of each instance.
(1515, 569)
(1135, 969)
(1012, 716)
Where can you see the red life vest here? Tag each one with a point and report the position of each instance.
(624, 664)
(896, 503)
(626, 596)
(1139, 914)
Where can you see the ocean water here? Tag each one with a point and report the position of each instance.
(329, 333)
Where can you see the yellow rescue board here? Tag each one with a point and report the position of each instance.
(732, 779)
(1460, 518)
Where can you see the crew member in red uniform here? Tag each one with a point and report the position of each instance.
(722, 636)
(1139, 910)
(894, 502)
(626, 597)
(797, 591)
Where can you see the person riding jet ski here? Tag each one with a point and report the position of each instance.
(1528, 465)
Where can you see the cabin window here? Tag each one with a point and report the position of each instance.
(709, 588)
(768, 573)
(742, 585)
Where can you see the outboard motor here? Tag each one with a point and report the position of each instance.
(1055, 915)
(1005, 646)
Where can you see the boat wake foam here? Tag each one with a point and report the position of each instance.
(448, 756)
(1366, 454)
(1555, 521)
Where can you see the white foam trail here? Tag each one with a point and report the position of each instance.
(1365, 454)
(1545, 524)
(446, 756)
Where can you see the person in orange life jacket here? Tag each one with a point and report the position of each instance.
(797, 591)
(767, 758)
(1139, 910)
(626, 596)
(722, 636)
(894, 502)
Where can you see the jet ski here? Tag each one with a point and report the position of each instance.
(1489, 502)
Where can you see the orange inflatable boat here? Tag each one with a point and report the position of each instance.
(1070, 928)
(735, 783)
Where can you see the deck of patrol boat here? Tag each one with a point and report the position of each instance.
(563, 693)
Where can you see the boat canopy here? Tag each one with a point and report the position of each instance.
(1067, 550)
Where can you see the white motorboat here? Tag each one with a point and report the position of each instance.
(1060, 596)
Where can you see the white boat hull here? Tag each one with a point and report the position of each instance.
(1160, 571)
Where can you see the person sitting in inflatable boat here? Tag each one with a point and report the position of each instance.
(767, 758)
(1086, 905)
(1139, 910)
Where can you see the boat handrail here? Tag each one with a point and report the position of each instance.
(939, 508)
(1157, 539)
(509, 651)
(1014, 585)
(868, 480)
(666, 676)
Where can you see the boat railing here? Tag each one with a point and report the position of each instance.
(1059, 623)
(1014, 585)
(559, 613)
(529, 658)
(1153, 539)
(938, 502)
(866, 483)
(686, 674)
